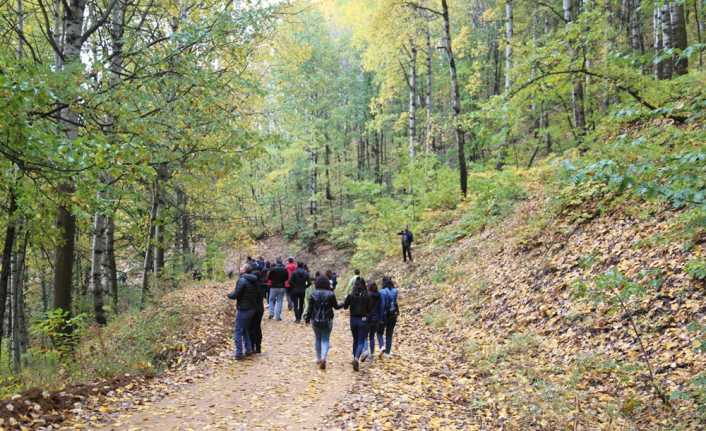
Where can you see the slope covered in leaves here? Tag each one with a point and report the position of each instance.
(584, 318)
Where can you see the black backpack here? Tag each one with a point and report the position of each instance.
(319, 318)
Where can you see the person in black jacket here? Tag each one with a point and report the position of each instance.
(375, 322)
(246, 294)
(277, 276)
(298, 283)
(407, 238)
(255, 329)
(322, 302)
(358, 302)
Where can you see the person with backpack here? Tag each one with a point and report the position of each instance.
(407, 239)
(321, 303)
(298, 283)
(358, 302)
(246, 294)
(375, 321)
(388, 294)
(277, 277)
(255, 329)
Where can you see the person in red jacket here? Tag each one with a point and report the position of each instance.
(291, 267)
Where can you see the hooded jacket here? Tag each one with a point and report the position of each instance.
(246, 292)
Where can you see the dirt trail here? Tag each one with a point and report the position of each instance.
(280, 389)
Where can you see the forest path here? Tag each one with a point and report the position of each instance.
(280, 389)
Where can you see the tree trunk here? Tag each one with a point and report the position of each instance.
(679, 37)
(18, 323)
(182, 204)
(158, 221)
(412, 111)
(429, 135)
(147, 264)
(97, 265)
(633, 12)
(666, 27)
(110, 272)
(657, 42)
(65, 221)
(699, 24)
(508, 44)
(577, 93)
(455, 101)
(10, 233)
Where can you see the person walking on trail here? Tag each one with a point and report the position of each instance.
(291, 267)
(332, 278)
(246, 294)
(298, 283)
(391, 310)
(351, 282)
(321, 303)
(358, 302)
(256, 322)
(407, 239)
(376, 326)
(277, 277)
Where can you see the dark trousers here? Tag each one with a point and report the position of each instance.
(255, 330)
(243, 344)
(298, 300)
(375, 329)
(359, 331)
(407, 253)
(389, 330)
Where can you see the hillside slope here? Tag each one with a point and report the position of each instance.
(545, 322)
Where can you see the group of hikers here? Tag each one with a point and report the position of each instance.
(373, 310)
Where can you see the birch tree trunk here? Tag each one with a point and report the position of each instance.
(97, 265)
(665, 22)
(679, 37)
(455, 101)
(577, 93)
(429, 134)
(412, 111)
(657, 42)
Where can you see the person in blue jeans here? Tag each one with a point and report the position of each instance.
(391, 310)
(358, 302)
(246, 295)
(375, 322)
(321, 303)
(277, 277)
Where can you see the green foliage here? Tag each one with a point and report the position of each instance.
(492, 198)
(696, 268)
(61, 329)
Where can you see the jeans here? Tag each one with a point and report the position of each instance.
(255, 330)
(298, 300)
(359, 330)
(389, 329)
(275, 302)
(242, 331)
(322, 334)
(290, 303)
(375, 328)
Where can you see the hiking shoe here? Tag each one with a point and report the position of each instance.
(364, 356)
(270, 317)
(356, 366)
(381, 354)
(322, 365)
(238, 357)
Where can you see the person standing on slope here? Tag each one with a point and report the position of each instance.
(333, 278)
(298, 283)
(246, 294)
(321, 303)
(255, 329)
(291, 267)
(391, 310)
(277, 277)
(358, 302)
(407, 238)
